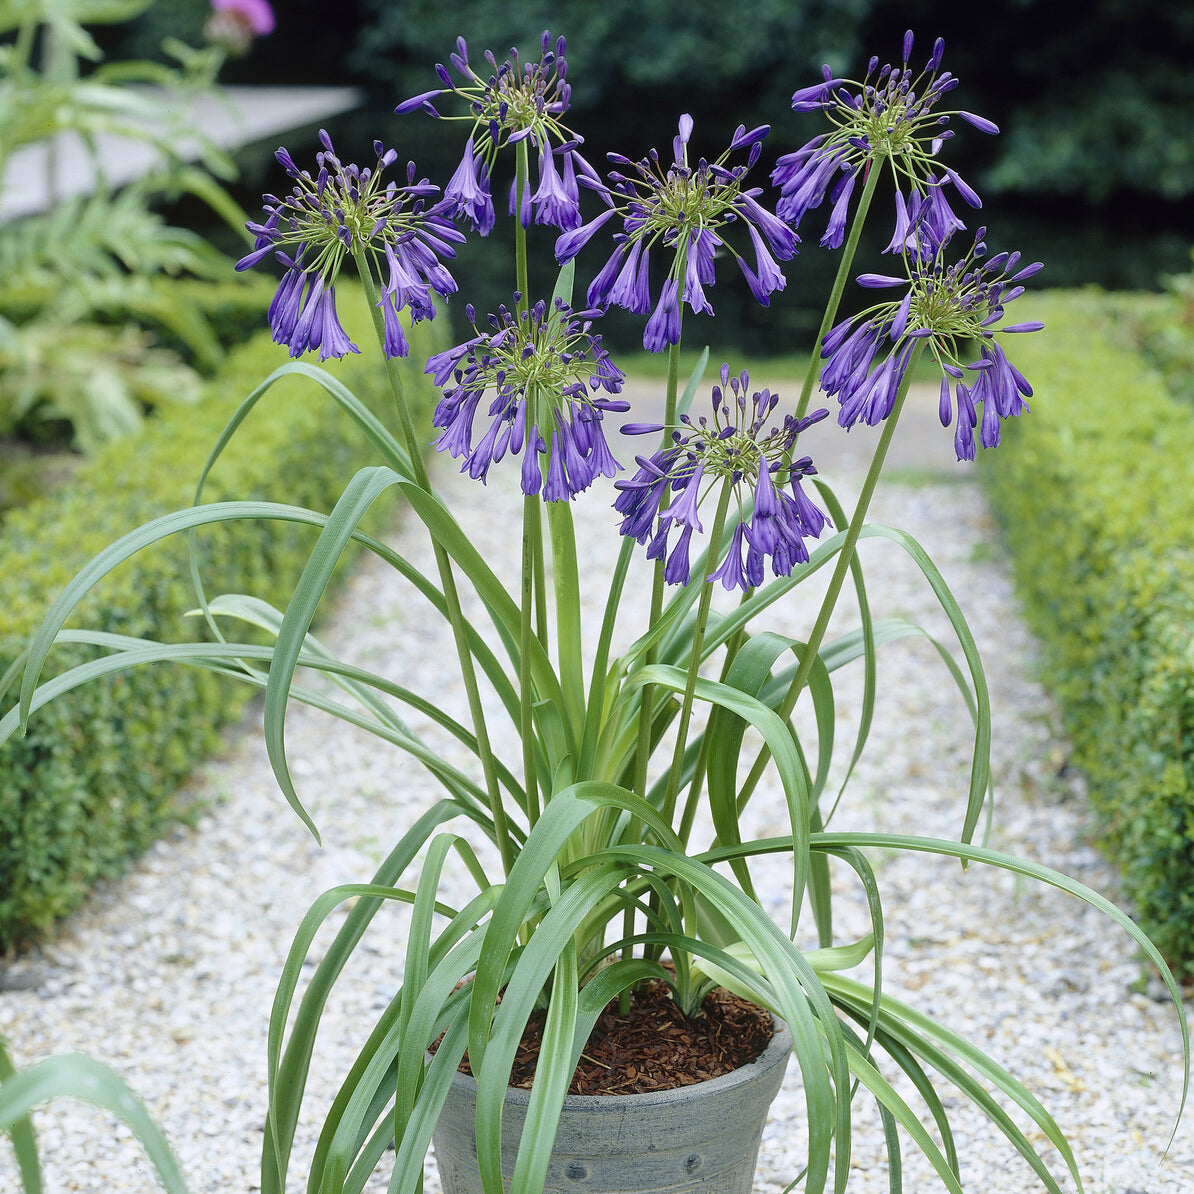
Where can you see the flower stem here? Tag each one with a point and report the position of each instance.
(844, 560)
(839, 287)
(531, 540)
(444, 564)
(522, 171)
(534, 577)
(694, 656)
(688, 817)
(643, 750)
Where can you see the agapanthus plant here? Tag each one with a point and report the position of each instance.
(889, 117)
(947, 310)
(342, 210)
(517, 101)
(549, 373)
(612, 787)
(684, 213)
(739, 458)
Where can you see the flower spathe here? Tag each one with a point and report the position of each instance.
(517, 101)
(889, 116)
(948, 307)
(550, 375)
(730, 449)
(325, 218)
(683, 213)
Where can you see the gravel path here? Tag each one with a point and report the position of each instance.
(168, 975)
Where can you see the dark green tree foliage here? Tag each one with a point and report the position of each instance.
(1093, 174)
(1094, 170)
(634, 65)
(634, 68)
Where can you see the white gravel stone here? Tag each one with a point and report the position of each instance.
(168, 975)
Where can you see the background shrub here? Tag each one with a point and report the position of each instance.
(1097, 506)
(94, 780)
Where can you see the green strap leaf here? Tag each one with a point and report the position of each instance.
(388, 448)
(287, 1071)
(77, 1077)
(775, 733)
(980, 770)
(544, 847)
(360, 493)
(20, 1132)
(125, 548)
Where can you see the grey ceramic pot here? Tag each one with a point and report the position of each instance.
(701, 1139)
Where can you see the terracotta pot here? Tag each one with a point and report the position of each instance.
(701, 1139)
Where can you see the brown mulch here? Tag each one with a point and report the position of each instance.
(655, 1046)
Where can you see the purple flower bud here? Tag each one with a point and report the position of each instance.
(1027, 271)
(755, 135)
(730, 573)
(676, 571)
(980, 122)
(809, 99)
(631, 288)
(966, 191)
(836, 229)
(416, 101)
(684, 508)
(570, 243)
(663, 328)
(900, 322)
(556, 487)
(532, 478)
(255, 257)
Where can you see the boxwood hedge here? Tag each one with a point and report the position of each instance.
(95, 779)
(1095, 495)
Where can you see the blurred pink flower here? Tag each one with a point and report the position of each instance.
(258, 15)
(234, 23)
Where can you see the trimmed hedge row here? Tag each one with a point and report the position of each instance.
(1096, 497)
(95, 779)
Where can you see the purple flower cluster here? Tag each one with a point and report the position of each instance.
(326, 217)
(686, 210)
(888, 116)
(516, 102)
(546, 368)
(949, 307)
(731, 450)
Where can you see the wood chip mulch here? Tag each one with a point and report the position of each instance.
(655, 1046)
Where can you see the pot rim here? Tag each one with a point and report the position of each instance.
(775, 1054)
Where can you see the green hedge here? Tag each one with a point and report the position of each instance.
(95, 779)
(1095, 491)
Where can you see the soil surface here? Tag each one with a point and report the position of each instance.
(655, 1046)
